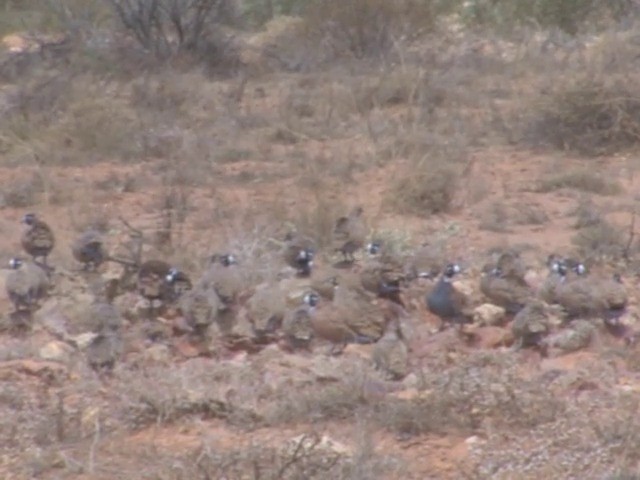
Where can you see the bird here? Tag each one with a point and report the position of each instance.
(445, 301)
(180, 283)
(26, 284)
(199, 307)
(531, 325)
(37, 239)
(299, 252)
(425, 262)
(350, 233)
(507, 290)
(153, 280)
(88, 249)
(103, 351)
(225, 276)
(266, 310)
(390, 353)
(589, 296)
(297, 331)
(351, 318)
(556, 276)
(383, 279)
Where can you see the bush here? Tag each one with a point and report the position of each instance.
(424, 190)
(168, 27)
(367, 28)
(590, 116)
(569, 16)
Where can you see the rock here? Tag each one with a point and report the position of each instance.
(488, 314)
(157, 353)
(56, 351)
(83, 340)
(491, 337)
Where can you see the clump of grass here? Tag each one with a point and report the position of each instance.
(22, 193)
(580, 179)
(424, 190)
(601, 241)
(591, 116)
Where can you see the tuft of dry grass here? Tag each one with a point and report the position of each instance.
(601, 240)
(583, 180)
(424, 189)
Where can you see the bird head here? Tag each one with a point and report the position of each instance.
(29, 219)
(15, 263)
(311, 299)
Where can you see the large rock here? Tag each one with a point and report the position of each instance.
(488, 314)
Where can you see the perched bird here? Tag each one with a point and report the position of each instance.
(88, 249)
(390, 353)
(531, 325)
(445, 301)
(26, 284)
(350, 233)
(37, 239)
(296, 325)
(350, 318)
(299, 252)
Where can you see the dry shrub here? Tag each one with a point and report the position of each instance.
(585, 180)
(590, 115)
(424, 189)
(22, 193)
(368, 28)
(601, 241)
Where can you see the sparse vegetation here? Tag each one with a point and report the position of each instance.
(583, 180)
(181, 128)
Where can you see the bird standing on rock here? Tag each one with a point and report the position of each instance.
(37, 239)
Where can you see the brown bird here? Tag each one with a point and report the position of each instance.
(88, 249)
(350, 318)
(37, 239)
(296, 326)
(225, 276)
(26, 284)
(507, 290)
(588, 296)
(390, 353)
(266, 310)
(556, 276)
(153, 281)
(531, 325)
(383, 279)
(104, 350)
(425, 262)
(299, 252)
(350, 234)
(200, 307)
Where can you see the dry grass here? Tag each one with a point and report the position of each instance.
(592, 116)
(424, 189)
(583, 180)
